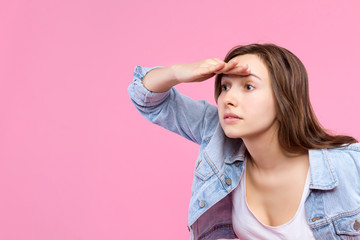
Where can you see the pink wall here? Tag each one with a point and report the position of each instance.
(77, 161)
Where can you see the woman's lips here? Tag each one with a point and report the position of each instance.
(231, 118)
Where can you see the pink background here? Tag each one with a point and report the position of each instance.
(77, 161)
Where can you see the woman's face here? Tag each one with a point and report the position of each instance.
(246, 104)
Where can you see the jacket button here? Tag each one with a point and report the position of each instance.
(201, 204)
(356, 225)
(316, 218)
(228, 181)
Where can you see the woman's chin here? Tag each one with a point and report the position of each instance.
(233, 135)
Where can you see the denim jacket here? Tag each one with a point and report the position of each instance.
(332, 207)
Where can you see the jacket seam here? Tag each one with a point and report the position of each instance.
(330, 168)
(214, 228)
(336, 217)
(346, 214)
(201, 127)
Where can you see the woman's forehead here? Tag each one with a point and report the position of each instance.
(256, 65)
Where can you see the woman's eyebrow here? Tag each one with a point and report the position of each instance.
(251, 74)
(255, 76)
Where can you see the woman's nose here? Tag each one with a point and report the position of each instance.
(230, 99)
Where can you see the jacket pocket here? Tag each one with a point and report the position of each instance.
(348, 227)
(203, 169)
(202, 175)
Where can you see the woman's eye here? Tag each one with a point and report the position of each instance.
(224, 87)
(249, 87)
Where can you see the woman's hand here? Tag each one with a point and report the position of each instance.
(205, 69)
(163, 79)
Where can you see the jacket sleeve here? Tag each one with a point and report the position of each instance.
(172, 110)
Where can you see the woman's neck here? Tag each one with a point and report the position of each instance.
(266, 154)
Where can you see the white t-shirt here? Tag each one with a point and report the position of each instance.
(247, 226)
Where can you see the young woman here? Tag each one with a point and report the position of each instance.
(266, 168)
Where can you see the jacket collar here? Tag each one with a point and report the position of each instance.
(323, 176)
(222, 149)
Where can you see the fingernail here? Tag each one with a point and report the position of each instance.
(245, 65)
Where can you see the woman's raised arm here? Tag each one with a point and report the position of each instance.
(153, 95)
(163, 79)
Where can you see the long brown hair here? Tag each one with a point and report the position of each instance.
(299, 130)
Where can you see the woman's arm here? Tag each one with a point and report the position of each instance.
(163, 79)
(160, 79)
(154, 96)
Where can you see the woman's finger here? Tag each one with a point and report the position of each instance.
(210, 68)
(241, 70)
(237, 70)
(228, 66)
(214, 61)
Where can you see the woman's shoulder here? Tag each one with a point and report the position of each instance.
(353, 148)
(346, 156)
